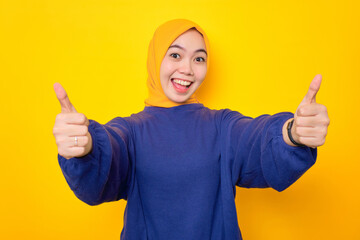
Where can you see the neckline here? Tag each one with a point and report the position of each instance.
(190, 106)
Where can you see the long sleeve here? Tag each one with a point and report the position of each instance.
(103, 174)
(260, 156)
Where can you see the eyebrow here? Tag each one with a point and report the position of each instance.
(178, 46)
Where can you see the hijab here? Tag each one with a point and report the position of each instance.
(163, 37)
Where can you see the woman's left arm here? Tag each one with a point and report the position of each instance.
(262, 153)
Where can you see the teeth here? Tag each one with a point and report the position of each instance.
(184, 83)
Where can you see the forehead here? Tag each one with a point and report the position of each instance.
(190, 39)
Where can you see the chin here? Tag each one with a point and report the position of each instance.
(179, 99)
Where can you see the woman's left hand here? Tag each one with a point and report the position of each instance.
(311, 119)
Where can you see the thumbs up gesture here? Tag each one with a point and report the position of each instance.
(311, 119)
(71, 128)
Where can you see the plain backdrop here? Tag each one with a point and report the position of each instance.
(264, 55)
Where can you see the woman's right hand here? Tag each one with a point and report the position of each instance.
(71, 128)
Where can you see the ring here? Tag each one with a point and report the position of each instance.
(76, 141)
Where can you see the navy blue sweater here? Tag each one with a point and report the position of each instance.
(178, 168)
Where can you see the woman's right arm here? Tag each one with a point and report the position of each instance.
(96, 164)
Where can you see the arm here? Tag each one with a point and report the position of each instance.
(260, 156)
(281, 163)
(103, 174)
(94, 158)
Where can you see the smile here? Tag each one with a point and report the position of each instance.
(180, 85)
(181, 82)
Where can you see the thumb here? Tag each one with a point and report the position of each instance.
(66, 106)
(310, 96)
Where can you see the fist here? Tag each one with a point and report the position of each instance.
(311, 119)
(71, 128)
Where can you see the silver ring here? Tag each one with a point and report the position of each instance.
(76, 141)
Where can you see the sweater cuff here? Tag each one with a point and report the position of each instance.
(285, 163)
(74, 168)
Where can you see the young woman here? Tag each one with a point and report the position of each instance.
(177, 162)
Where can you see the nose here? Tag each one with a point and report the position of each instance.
(186, 68)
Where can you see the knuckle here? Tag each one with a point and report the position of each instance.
(63, 153)
(323, 131)
(301, 111)
(323, 108)
(58, 141)
(59, 117)
(81, 118)
(327, 121)
(55, 131)
(324, 122)
(320, 142)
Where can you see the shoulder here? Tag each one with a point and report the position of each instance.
(126, 123)
(227, 115)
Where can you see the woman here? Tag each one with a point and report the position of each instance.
(177, 162)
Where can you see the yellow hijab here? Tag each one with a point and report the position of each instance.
(163, 37)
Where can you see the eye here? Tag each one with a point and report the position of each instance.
(175, 55)
(200, 59)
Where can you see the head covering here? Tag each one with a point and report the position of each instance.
(164, 35)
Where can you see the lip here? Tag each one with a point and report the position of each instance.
(179, 89)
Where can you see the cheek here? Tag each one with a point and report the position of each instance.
(164, 73)
(166, 69)
(201, 73)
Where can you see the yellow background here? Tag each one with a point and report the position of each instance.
(264, 56)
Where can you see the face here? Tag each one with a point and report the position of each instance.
(183, 68)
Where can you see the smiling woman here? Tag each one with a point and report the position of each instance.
(177, 162)
(183, 68)
(177, 55)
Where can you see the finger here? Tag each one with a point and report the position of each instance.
(65, 142)
(66, 106)
(72, 118)
(305, 121)
(72, 152)
(308, 131)
(71, 130)
(311, 110)
(80, 141)
(312, 121)
(312, 141)
(310, 96)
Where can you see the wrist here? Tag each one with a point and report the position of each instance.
(294, 138)
(289, 135)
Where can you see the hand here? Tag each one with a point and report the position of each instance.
(68, 125)
(311, 119)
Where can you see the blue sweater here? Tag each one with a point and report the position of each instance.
(178, 167)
